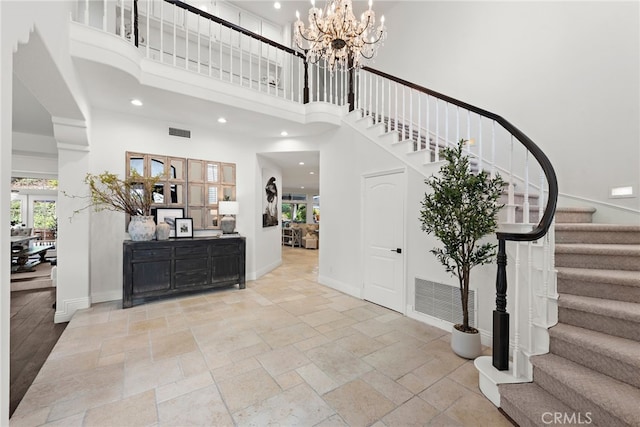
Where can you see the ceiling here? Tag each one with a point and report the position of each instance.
(294, 175)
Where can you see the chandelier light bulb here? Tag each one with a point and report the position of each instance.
(370, 4)
(313, 3)
(382, 19)
(297, 15)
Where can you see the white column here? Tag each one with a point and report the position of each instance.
(6, 94)
(73, 290)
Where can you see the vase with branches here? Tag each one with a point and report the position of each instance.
(460, 210)
(132, 195)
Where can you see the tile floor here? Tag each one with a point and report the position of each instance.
(285, 351)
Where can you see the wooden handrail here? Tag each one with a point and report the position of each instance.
(235, 27)
(547, 217)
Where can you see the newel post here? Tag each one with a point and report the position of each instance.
(135, 23)
(500, 315)
(351, 97)
(305, 91)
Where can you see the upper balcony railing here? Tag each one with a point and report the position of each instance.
(178, 34)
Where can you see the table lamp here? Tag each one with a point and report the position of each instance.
(229, 209)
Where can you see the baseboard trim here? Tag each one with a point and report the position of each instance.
(106, 296)
(265, 270)
(69, 308)
(341, 286)
(485, 336)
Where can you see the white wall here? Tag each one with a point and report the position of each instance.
(268, 239)
(565, 73)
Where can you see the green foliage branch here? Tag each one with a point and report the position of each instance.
(461, 209)
(132, 195)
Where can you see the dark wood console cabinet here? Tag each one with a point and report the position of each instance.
(157, 269)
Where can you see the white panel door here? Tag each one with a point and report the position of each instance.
(384, 240)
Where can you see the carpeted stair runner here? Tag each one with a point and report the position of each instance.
(591, 376)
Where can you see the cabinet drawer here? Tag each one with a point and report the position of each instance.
(225, 249)
(191, 264)
(150, 254)
(191, 251)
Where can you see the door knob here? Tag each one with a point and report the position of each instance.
(398, 250)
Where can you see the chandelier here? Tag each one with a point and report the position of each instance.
(335, 35)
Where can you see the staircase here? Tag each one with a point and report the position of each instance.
(592, 373)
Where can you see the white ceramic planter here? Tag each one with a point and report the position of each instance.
(142, 228)
(466, 345)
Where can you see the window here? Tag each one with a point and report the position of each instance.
(296, 212)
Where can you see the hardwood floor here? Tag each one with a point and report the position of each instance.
(33, 335)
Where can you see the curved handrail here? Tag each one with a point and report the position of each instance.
(235, 27)
(547, 218)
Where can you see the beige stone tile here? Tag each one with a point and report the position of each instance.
(316, 378)
(359, 344)
(336, 333)
(182, 387)
(397, 359)
(413, 383)
(224, 341)
(282, 360)
(358, 403)
(360, 313)
(98, 331)
(333, 421)
(67, 347)
(234, 369)
(29, 418)
(288, 335)
(65, 366)
(138, 410)
(248, 352)
(299, 406)
(151, 375)
(193, 363)
(444, 393)
(311, 343)
(373, 328)
(200, 407)
(76, 420)
(288, 380)
(389, 388)
(81, 402)
(247, 389)
(173, 345)
(415, 412)
(147, 325)
(443, 420)
(474, 410)
(215, 359)
(345, 302)
(339, 364)
(321, 317)
(124, 344)
(113, 359)
(467, 375)
(416, 329)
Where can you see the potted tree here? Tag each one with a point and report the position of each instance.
(132, 195)
(461, 209)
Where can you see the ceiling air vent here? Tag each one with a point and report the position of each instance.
(182, 133)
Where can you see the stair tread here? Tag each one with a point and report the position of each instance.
(610, 308)
(598, 248)
(532, 400)
(588, 226)
(618, 277)
(612, 395)
(612, 347)
(576, 209)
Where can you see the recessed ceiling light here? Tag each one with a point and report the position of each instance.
(302, 188)
(277, 5)
(312, 173)
(301, 163)
(222, 120)
(136, 102)
(284, 133)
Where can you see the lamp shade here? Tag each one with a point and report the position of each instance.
(227, 207)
